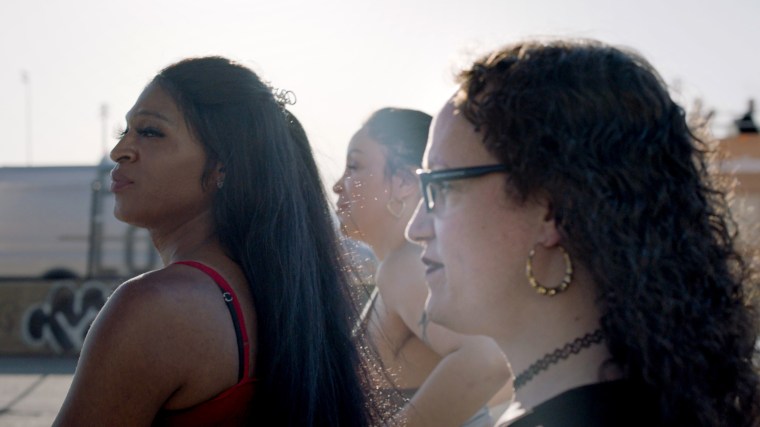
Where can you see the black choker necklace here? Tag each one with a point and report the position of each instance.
(573, 347)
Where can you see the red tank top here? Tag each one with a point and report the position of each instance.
(231, 407)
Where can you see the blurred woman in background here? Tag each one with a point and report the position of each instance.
(448, 378)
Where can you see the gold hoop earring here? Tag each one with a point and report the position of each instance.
(543, 290)
(396, 213)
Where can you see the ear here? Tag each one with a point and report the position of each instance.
(218, 174)
(549, 235)
(404, 183)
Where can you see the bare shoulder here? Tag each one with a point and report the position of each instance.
(165, 289)
(154, 303)
(402, 274)
(152, 315)
(401, 281)
(169, 312)
(154, 298)
(147, 332)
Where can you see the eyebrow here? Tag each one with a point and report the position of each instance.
(153, 114)
(440, 165)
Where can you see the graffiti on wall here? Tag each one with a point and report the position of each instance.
(63, 319)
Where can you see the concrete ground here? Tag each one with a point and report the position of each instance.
(32, 389)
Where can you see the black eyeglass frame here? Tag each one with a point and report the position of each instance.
(428, 177)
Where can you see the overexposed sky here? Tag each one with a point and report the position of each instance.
(342, 58)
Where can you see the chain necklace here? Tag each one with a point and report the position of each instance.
(573, 347)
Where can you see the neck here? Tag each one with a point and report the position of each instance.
(391, 238)
(566, 317)
(186, 240)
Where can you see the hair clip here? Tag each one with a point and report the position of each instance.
(284, 97)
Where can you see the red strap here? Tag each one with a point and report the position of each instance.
(224, 286)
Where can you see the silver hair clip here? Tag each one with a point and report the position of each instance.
(284, 97)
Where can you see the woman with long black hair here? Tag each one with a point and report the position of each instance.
(250, 317)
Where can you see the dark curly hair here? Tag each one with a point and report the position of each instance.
(593, 128)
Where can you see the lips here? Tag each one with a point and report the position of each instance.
(431, 267)
(119, 181)
(342, 205)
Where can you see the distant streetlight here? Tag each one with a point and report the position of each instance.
(28, 86)
(104, 124)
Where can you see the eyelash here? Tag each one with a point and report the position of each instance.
(147, 132)
(444, 186)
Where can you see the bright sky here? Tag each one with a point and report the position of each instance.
(342, 58)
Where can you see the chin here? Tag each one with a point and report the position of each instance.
(439, 312)
(450, 315)
(127, 217)
(119, 214)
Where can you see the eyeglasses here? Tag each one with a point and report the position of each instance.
(430, 180)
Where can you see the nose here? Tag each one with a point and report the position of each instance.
(124, 151)
(420, 228)
(338, 186)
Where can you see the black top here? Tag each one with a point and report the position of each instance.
(615, 403)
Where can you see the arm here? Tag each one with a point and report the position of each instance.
(472, 368)
(125, 372)
(471, 371)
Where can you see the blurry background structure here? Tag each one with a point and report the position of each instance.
(62, 61)
(741, 162)
(71, 70)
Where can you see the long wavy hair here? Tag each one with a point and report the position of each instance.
(593, 128)
(272, 218)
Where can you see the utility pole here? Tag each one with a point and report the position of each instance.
(28, 88)
(104, 125)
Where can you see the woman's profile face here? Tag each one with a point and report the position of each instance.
(363, 190)
(157, 179)
(476, 240)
